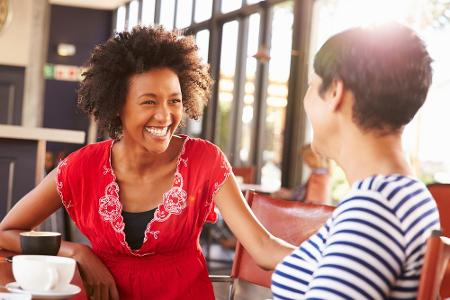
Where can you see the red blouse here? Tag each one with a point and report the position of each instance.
(169, 264)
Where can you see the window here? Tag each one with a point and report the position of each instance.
(230, 5)
(247, 117)
(277, 92)
(226, 85)
(254, 1)
(203, 10)
(167, 14)
(148, 12)
(194, 127)
(184, 13)
(133, 14)
(121, 15)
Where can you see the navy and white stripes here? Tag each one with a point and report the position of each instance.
(371, 248)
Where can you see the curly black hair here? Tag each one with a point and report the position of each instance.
(103, 90)
(388, 69)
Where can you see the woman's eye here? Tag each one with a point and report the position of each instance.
(174, 101)
(148, 102)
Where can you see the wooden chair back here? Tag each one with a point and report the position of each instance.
(292, 221)
(436, 263)
(247, 173)
(441, 193)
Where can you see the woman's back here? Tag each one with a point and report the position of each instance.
(371, 248)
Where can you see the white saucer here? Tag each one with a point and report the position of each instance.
(11, 296)
(67, 291)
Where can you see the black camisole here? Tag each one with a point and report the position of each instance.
(135, 225)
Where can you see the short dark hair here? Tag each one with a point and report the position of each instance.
(103, 90)
(388, 69)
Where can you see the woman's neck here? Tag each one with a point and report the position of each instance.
(138, 160)
(371, 154)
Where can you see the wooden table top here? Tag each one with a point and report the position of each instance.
(6, 276)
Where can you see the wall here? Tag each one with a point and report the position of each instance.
(84, 28)
(15, 37)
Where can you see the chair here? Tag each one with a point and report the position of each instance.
(436, 261)
(441, 193)
(293, 221)
(246, 173)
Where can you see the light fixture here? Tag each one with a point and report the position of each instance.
(64, 49)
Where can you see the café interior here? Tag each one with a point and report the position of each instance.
(260, 54)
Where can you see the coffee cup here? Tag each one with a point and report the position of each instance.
(43, 273)
(40, 242)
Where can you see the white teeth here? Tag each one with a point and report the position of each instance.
(157, 131)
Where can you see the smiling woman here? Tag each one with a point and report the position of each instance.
(142, 197)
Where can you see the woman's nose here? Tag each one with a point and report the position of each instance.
(162, 113)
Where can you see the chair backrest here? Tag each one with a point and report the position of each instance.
(441, 193)
(436, 261)
(247, 173)
(292, 221)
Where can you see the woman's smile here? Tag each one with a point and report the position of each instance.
(158, 131)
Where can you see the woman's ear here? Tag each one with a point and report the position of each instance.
(336, 94)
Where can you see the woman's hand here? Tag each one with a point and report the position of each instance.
(97, 279)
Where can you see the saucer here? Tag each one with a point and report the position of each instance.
(11, 296)
(67, 291)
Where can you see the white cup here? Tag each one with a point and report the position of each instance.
(43, 273)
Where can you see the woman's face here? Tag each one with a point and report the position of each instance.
(318, 114)
(153, 109)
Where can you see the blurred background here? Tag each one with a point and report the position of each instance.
(260, 53)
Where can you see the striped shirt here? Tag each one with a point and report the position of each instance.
(372, 247)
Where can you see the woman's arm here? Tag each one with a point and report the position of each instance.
(266, 250)
(31, 211)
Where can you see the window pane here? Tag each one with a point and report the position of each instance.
(226, 84)
(167, 13)
(247, 117)
(133, 16)
(120, 22)
(230, 5)
(194, 127)
(184, 13)
(202, 40)
(148, 12)
(203, 10)
(423, 138)
(254, 1)
(277, 91)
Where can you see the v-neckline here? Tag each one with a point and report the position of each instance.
(158, 208)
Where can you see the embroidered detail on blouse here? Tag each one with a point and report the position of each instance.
(110, 207)
(59, 184)
(154, 233)
(174, 202)
(226, 166)
(212, 216)
(106, 170)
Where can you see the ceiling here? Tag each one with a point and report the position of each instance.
(97, 4)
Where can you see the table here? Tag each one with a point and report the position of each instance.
(6, 276)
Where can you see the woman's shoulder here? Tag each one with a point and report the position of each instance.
(200, 146)
(389, 195)
(90, 154)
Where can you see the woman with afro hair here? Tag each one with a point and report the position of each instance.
(142, 197)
